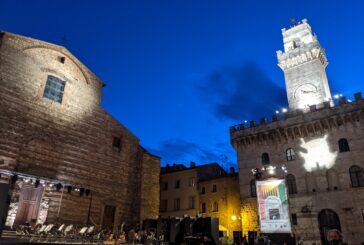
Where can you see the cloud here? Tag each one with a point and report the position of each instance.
(181, 151)
(242, 92)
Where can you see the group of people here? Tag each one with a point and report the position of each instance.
(132, 237)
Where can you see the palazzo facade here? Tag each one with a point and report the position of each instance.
(319, 143)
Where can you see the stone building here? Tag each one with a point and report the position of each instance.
(205, 190)
(69, 160)
(319, 143)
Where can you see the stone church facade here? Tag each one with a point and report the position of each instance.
(54, 133)
(319, 142)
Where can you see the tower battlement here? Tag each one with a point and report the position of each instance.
(303, 62)
(328, 116)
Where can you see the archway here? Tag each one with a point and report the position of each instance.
(328, 220)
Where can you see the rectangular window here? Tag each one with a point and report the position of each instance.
(54, 89)
(214, 188)
(164, 186)
(177, 184)
(164, 205)
(177, 204)
(116, 142)
(294, 219)
(191, 202)
(192, 182)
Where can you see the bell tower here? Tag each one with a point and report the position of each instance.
(303, 63)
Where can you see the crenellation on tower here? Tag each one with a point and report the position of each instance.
(303, 62)
(319, 143)
(342, 104)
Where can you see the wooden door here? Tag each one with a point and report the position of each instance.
(109, 216)
(29, 202)
(328, 220)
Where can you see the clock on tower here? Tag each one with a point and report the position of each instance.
(303, 63)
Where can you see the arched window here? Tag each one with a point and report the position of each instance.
(253, 190)
(328, 220)
(343, 145)
(311, 182)
(356, 176)
(203, 208)
(291, 184)
(290, 154)
(215, 207)
(332, 179)
(265, 158)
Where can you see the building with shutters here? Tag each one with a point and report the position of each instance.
(205, 190)
(319, 142)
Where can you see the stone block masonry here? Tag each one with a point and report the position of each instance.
(71, 141)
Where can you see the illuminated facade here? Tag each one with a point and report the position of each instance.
(303, 63)
(317, 147)
(206, 190)
(54, 134)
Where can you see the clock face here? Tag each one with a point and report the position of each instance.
(306, 95)
(305, 91)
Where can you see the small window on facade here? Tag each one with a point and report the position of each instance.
(294, 219)
(203, 208)
(116, 142)
(177, 204)
(215, 207)
(191, 202)
(253, 190)
(177, 184)
(343, 145)
(265, 158)
(290, 154)
(165, 186)
(356, 176)
(54, 89)
(203, 190)
(164, 205)
(291, 184)
(214, 188)
(192, 182)
(62, 59)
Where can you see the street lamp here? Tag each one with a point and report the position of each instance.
(233, 217)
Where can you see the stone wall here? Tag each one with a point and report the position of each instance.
(150, 187)
(249, 215)
(72, 141)
(325, 185)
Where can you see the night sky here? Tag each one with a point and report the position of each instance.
(180, 72)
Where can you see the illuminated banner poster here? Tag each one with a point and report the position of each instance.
(273, 206)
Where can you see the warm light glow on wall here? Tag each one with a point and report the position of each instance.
(316, 154)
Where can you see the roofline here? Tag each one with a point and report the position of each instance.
(58, 48)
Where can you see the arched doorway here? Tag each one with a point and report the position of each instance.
(328, 220)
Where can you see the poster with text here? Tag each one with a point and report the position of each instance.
(273, 206)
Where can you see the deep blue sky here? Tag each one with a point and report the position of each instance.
(180, 72)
